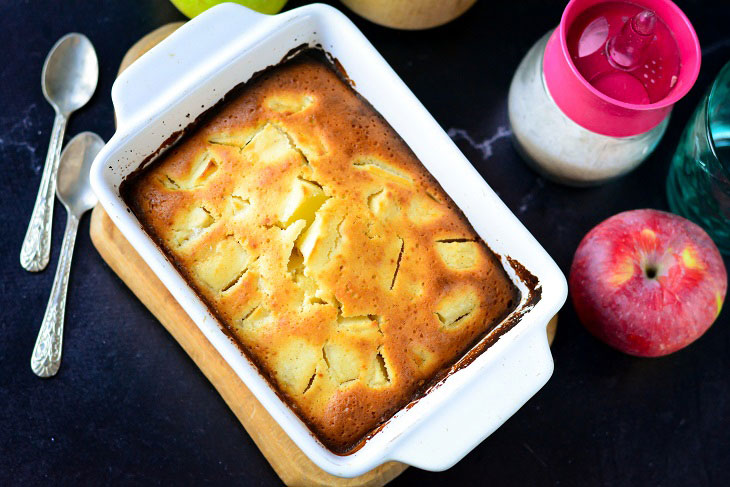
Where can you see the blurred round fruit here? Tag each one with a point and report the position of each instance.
(191, 8)
(647, 282)
(409, 14)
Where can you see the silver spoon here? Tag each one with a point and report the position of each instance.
(69, 78)
(74, 190)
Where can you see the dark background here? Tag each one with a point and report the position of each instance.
(129, 407)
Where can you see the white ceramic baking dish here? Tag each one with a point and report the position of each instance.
(189, 72)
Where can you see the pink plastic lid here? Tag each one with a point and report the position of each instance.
(593, 109)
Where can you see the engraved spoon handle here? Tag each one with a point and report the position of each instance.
(46, 358)
(36, 248)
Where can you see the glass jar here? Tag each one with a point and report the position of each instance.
(556, 146)
(698, 185)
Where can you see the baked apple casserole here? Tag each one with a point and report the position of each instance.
(326, 250)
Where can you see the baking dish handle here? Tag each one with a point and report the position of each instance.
(476, 411)
(174, 66)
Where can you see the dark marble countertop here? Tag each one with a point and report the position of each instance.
(129, 407)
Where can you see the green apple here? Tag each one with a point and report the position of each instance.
(191, 8)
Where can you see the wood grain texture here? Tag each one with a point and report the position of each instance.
(409, 14)
(552, 328)
(146, 43)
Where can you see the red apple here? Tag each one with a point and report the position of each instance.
(647, 282)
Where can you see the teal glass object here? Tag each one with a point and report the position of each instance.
(698, 185)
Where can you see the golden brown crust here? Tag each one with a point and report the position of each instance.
(326, 248)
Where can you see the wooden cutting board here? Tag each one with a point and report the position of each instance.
(287, 460)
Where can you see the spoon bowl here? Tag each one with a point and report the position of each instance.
(70, 73)
(69, 79)
(72, 186)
